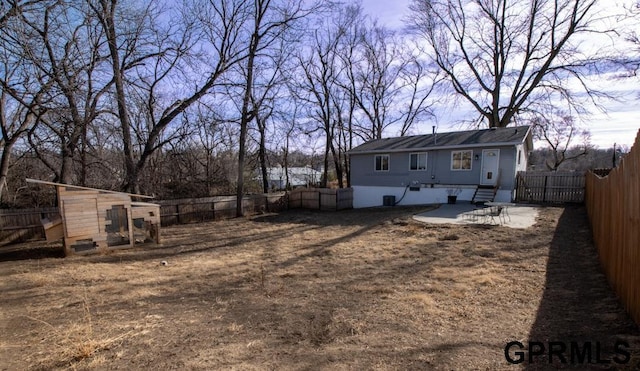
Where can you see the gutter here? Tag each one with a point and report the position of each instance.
(459, 146)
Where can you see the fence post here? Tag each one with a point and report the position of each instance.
(544, 189)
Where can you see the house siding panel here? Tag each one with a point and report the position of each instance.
(438, 170)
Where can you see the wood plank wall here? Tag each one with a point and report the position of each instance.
(550, 186)
(197, 210)
(613, 205)
(321, 198)
(24, 224)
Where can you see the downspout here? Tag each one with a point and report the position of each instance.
(433, 160)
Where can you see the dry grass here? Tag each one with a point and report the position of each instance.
(361, 289)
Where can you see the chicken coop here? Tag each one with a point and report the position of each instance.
(97, 221)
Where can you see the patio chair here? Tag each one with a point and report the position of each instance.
(487, 213)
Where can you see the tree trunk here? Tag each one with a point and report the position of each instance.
(325, 170)
(4, 168)
(131, 176)
(66, 168)
(337, 161)
(247, 116)
(83, 157)
(286, 163)
(262, 154)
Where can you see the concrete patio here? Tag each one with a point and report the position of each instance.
(518, 216)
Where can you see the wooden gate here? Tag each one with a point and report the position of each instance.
(550, 187)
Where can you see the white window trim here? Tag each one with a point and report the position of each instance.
(470, 162)
(388, 163)
(418, 162)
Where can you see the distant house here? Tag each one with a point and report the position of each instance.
(475, 165)
(298, 177)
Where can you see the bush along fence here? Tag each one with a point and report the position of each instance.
(25, 224)
(613, 205)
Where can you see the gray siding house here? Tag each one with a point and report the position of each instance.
(425, 169)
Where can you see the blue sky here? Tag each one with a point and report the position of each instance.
(619, 124)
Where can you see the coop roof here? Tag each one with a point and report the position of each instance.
(85, 188)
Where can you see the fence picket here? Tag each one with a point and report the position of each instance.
(613, 205)
(25, 224)
(550, 186)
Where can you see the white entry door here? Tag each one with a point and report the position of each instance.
(490, 166)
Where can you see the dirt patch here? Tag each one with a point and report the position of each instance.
(358, 289)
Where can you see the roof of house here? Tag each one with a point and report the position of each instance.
(458, 139)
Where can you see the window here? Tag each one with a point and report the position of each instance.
(418, 161)
(382, 163)
(461, 160)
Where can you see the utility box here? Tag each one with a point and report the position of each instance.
(389, 200)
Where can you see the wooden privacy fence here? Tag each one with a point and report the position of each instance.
(23, 224)
(20, 225)
(613, 205)
(321, 198)
(183, 211)
(550, 186)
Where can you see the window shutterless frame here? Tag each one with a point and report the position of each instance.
(461, 160)
(418, 161)
(381, 163)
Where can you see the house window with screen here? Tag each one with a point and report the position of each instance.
(382, 162)
(461, 160)
(418, 161)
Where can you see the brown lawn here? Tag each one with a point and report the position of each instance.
(358, 289)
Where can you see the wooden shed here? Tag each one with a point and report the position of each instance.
(97, 220)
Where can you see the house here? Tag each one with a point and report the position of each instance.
(298, 177)
(97, 220)
(474, 165)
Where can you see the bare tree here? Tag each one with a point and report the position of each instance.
(360, 81)
(270, 20)
(632, 36)
(322, 88)
(288, 128)
(149, 61)
(391, 86)
(209, 128)
(23, 87)
(561, 134)
(508, 57)
(61, 48)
